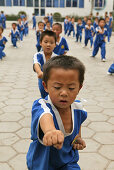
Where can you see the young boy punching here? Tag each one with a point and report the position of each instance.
(14, 35)
(56, 120)
(48, 43)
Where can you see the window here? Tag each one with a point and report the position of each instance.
(29, 3)
(42, 3)
(81, 3)
(2, 3)
(22, 2)
(8, 3)
(42, 12)
(68, 3)
(75, 3)
(36, 12)
(62, 3)
(15, 2)
(99, 3)
(48, 3)
(36, 3)
(55, 3)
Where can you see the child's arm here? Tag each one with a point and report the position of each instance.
(9, 34)
(38, 70)
(52, 137)
(79, 144)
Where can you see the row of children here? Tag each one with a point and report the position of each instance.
(18, 30)
(2, 19)
(48, 18)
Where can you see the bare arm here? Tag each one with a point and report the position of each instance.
(38, 70)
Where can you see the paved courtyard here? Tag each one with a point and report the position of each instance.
(18, 90)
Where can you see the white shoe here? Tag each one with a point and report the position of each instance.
(103, 60)
(109, 73)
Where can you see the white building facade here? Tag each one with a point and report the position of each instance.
(64, 7)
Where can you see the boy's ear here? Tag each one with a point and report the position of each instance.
(45, 86)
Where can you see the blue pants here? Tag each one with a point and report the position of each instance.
(41, 88)
(87, 39)
(1, 52)
(26, 31)
(108, 36)
(21, 35)
(38, 46)
(96, 49)
(110, 32)
(14, 41)
(111, 69)
(34, 25)
(79, 35)
(71, 31)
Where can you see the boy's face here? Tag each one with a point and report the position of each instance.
(102, 23)
(48, 25)
(48, 44)
(63, 86)
(79, 21)
(85, 18)
(14, 26)
(41, 26)
(89, 22)
(19, 20)
(57, 30)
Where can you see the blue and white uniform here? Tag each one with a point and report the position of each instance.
(107, 26)
(79, 29)
(34, 22)
(84, 23)
(65, 26)
(100, 43)
(2, 46)
(41, 60)
(38, 46)
(110, 26)
(71, 28)
(20, 28)
(89, 34)
(14, 37)
(61, 46)
(111, 69)
(3, 20)
(51, 21)
(40, 157)
(25, 28)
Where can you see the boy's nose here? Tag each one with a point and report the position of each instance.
(64, 93)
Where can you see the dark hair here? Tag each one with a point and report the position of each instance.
(47, 22)
(14, 24)
(101, 19)
(79, 19)
(49, 33)
(40, 22)
(58, 24)
(2, 28)
(65, 62)
(88, 19)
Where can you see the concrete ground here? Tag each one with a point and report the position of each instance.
(18, 90)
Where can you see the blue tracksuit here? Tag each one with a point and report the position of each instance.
(84, 23)
(79, 32)
(51, 21)
(20, 28)
(25, 28)
(111, 69)
(41, 157)
(3, 20)
(14, 37)
(107, 26)
(100, 43)
(40, 59)
(71, 28)
(88, 35)
(65, 26)
(2, 46)
(34, 21)
(38, 46)
(110, 27)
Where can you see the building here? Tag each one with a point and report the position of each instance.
(65, 7)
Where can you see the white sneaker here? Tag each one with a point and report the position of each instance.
(103, 60)
(109, 73)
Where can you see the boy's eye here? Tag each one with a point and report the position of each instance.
(57, 88)
(71, 88)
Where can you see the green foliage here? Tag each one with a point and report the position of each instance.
(21, 13)
(57, 16)
(12, 17)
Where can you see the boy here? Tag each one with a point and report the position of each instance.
(65, 25)
(48, 43)
(3, 41)
(100, 40)
(79, 27)
(25, 23)
(48, 27)
(95, 24)
(61, 45)
(34, 21)
(97, 15)
(56, 121)
(84, 22)
(20, 28)
(51, 19)
(107, 26)
(89, 32)
(38, 34)
(71, 27)
(14, 34)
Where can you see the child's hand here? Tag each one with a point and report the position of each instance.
(4, 42)
(80, 144)
(54, 138)
(40, 75)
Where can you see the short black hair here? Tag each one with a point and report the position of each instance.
(2, 28)
(47, 22)
(60, 25)
(66, 62)
(14, 24)
(49, 33)
(101, 19)
(40, 22)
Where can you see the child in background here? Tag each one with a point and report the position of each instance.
(71, 27)
(79, 28)
(69, 23)
(110, 23)
(106, 15)
(107, 26)
(111, 69)
(48, 26)
(57, 119)
(89, 33)
(20, 28)
(100, 40)
(38, 34)
(3, 41)
(97, 15)
(65, 25)
(61, 45)
(51, 20)
(25, 23)
(48, 43)
(14, 34)
(84, 22)
(34, 21)
(45, 21)
(95, 24)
